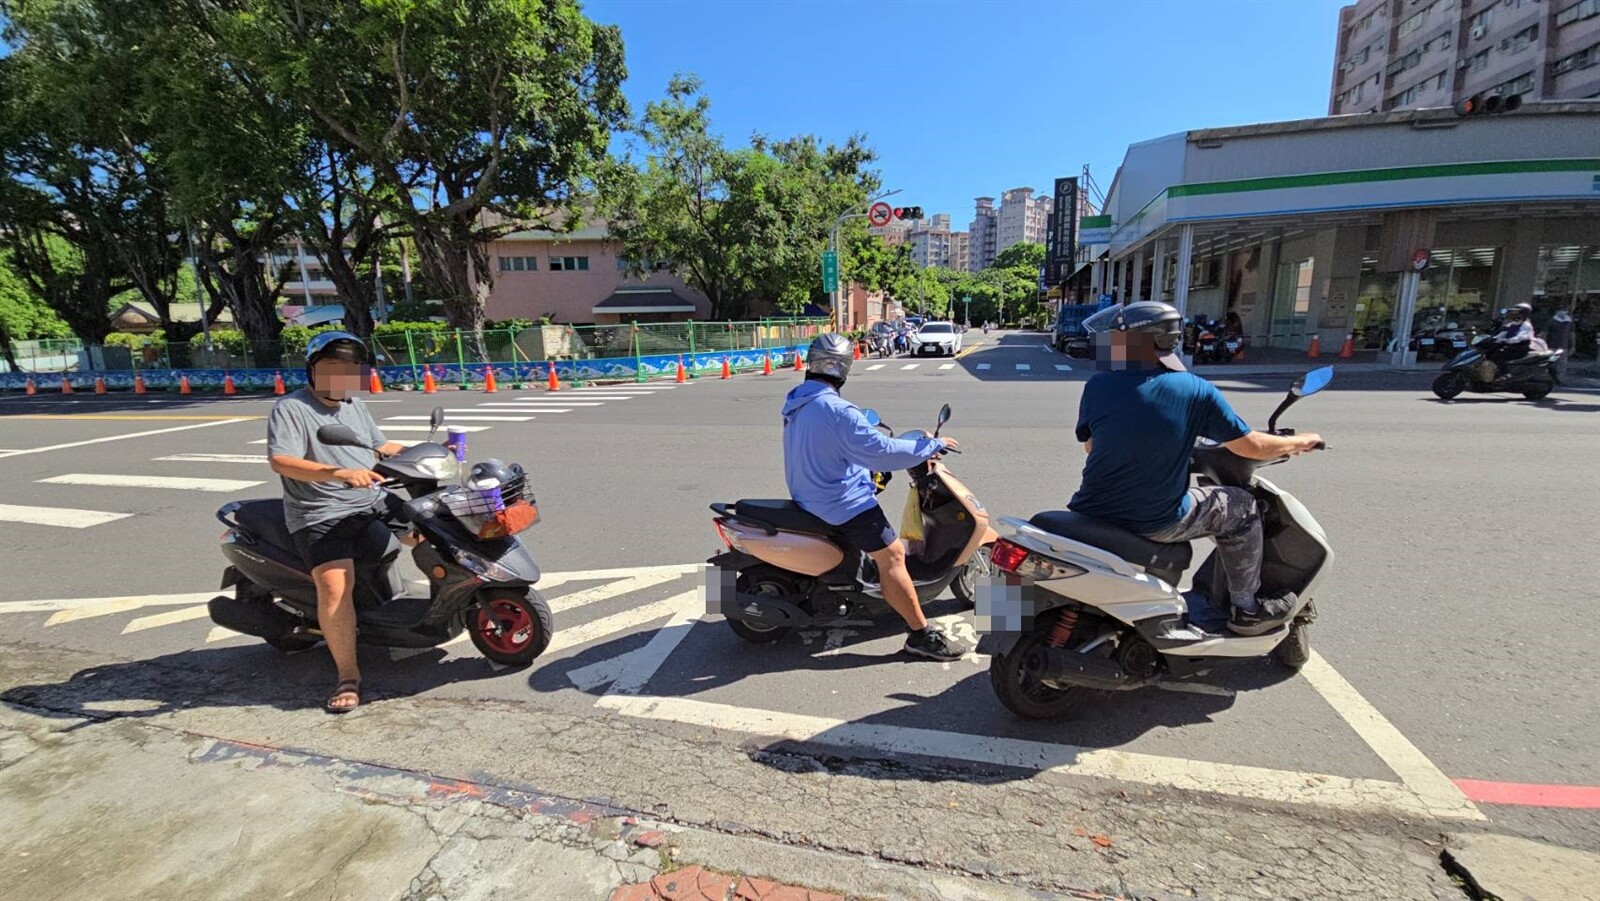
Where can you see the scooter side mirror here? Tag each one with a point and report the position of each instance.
(944, 417)
(339, 435)
(872, 417)
(1312, 382)
(436, 418)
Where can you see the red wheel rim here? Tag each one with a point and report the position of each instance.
(516, 626)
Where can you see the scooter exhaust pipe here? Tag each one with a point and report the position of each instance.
(258, 618)
(1059, 667)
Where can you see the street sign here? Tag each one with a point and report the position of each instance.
(880, 214)
(830, 271)
(1419, 260)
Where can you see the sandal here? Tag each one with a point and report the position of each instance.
(345, 688)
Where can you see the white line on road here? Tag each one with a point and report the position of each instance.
(525, 408)
(649, 658)
(180, 428)
(1023, 367)
(1193, 775)
(533, 404)
(221, 633)
(909, 366)
(608, 670)
(1432, 787)
(876, 366)
(943, 366)
(64, 517)
(611, 590)
(625, 389)
(1062, 367)
(214, 458)
(982, 366)
(551, 580)
(455, 418)
(171, 617)
(67, 610)
(422, 428)
(180, 483)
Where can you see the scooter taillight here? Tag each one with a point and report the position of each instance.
(729, 540)
(1007, 557)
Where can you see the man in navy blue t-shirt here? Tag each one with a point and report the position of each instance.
(1138, 421)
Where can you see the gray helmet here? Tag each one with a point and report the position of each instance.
(831, 355)
(1520, 311)
(1152, 317)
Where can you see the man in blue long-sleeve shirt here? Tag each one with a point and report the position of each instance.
(829, 453)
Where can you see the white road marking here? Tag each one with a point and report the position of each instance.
(626, 389)
(222, 633)
(627, 581)
(525, 408)
(157, 620)
(909, 366)
(1024, 367)
(876, 366)
(943, 366)
(259, 441)
(422, 428)
(621, 622)
(180, 428)
(611, 590)
(649, 658)
(608, 670)
(64, 517)
(982, 366)
(106, 480)
(458, 418)
(214, 458)
(1432, 787)
(68, 610)
(531, 404)
(1062, 367)
(1193, 775)
(551, 580)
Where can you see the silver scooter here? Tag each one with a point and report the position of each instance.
(1076, 602)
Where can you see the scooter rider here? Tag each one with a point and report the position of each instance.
(1515, 338)
(1138, 421)
(829, 451)
(330, 492)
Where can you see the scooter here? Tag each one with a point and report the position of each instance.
(786, 569)
(1532, 376)
(480, 576)
(1079, 603)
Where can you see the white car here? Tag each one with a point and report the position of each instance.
(936, 338)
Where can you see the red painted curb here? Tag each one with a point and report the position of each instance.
(1527, 794)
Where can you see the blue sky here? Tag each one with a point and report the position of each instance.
(963, 98)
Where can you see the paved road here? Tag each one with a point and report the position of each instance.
(1455, 625)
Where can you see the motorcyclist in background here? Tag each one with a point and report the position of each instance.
(1515, 337)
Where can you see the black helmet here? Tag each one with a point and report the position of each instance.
(1152, 317)
(337, 345)
(831, 355)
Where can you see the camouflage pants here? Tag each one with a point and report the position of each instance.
(1228, 515)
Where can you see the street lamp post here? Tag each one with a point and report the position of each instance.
(833, 245)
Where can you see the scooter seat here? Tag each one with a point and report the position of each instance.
(1164, 561)
(262, 520)
(783, 514)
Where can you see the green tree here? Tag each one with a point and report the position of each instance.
(23, 316)
(1024, 255)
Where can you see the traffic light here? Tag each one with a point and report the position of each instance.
(908, 212)
(1480, 105)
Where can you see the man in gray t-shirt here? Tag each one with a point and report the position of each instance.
(330, 492)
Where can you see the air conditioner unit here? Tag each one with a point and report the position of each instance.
(1478, 31)
(1505, 43)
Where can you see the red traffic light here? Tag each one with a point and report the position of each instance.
(908, 212)
(1481, 105)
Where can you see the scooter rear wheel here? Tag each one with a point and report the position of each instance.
(770, 585)
(1537, 392)
(513, 627)
(1022, 694)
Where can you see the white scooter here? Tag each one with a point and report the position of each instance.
(1076, 602)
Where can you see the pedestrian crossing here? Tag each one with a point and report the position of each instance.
(493, 411)
(946, 367)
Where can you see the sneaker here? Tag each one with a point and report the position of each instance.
(1270, 613)
(933, 644)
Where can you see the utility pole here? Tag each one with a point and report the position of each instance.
(838, 294)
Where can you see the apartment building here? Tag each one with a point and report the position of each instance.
(1412, 54)
(1023, 218)
(983, 232)
(961, 251)
(930, 241)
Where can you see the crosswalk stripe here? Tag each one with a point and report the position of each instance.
(157, 620)
(106, 480)
(1062, 367)
(535, 405)
(422, 428)
(982, 366)
(620, 622)
(63, 517)
(213, 458)
(524, 408)
(1023, 367)
(456, 417)
(876, 366)
(547, 397)
(611, 590)
(944, 366)
(909, 366)
(222, 633)
(69, 610)
(624, 389)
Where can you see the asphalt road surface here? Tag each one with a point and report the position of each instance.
(1455, 677)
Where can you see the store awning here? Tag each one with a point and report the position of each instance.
(644, 300)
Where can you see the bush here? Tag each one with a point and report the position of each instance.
(295, 337)
(131, 341)
(228, 340)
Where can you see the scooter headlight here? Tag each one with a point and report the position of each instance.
(439, 468)
(487, 569)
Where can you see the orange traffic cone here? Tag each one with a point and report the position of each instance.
(99, 384)
(727, 371)
(429, 386)
(138, 383)
(277, 383)
(1315, 350)
(374, 384)
(228, 387)
(1349, 348)
(489, 386)
(66, 385)
(766, 366)
(682, 375)
(32, 388)
(858, 350)
(554, 382)
(799, 361)
(183, 385)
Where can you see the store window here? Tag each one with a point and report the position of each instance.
(1569, 279)
(1456, 293)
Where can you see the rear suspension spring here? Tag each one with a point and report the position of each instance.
(1063, 628)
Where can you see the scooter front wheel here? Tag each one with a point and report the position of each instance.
(1020, 692)
(1449, 384)
(512, 626)
(965, 586)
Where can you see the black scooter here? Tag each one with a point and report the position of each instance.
(481, 585)
(1532, 376)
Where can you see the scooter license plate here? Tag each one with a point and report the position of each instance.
(1233, 345)
(1424, 340)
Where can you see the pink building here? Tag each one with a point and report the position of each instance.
(577, 278)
